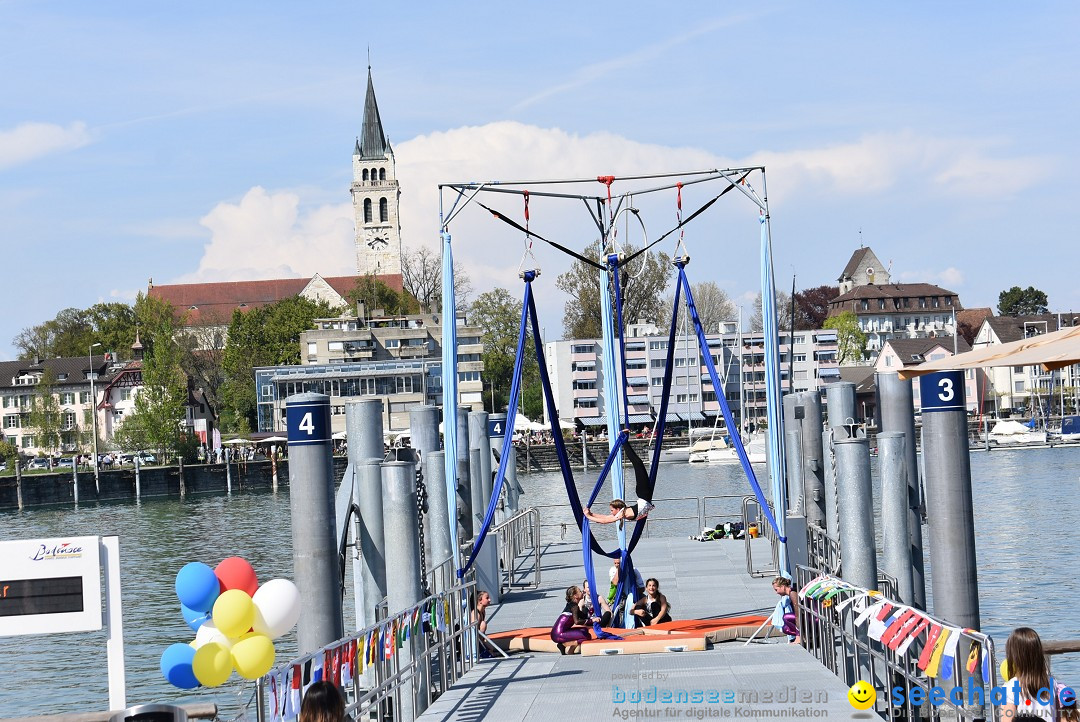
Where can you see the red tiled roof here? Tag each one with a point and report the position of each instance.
(214, 303)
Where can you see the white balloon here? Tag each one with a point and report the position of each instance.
(209, 633)
(277, 607)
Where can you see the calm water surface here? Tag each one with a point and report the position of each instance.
(1026, 519)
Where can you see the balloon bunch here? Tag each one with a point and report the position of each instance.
(235, 622)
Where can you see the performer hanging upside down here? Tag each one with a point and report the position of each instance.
(642, 486)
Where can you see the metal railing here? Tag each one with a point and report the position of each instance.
(517, 536)
(822, 550)
(399, 665)
(827, 624)
(753, 515)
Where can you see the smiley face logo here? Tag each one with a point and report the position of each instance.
(862, 695)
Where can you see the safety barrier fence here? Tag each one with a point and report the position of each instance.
(823, 550)
(518, 536)
(671, 517)
(920, 667)
(392, 669)
(754, 515)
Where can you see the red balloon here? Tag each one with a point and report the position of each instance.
(236, 573)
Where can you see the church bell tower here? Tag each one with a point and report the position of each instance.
(375, 195)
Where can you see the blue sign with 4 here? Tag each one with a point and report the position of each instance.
(308, 423)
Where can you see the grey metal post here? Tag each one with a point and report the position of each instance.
(226, 454)
(793, 461)
(896, 406)
(74, 477)
(464, 481)
(828, 461)
(315, 556)
(480, 464)
(404, 588)
(813, 459)
(138, 479)
(424, 427)
(364, 429)
(855, 508)
(497, 434)
(369, 497)
(840, 403)
(896, 549)
(947, 469)
(437, 530)
(513, 489)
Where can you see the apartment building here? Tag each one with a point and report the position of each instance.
(397, 359)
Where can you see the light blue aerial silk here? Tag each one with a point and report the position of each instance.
(450, 390)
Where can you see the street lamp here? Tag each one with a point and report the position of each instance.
(93, 415)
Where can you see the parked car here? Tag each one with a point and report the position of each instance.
(39, 462)
(65, 461)
(3, 466)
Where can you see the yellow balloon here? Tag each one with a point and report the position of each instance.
(234, 613)
(253, 656)
(212, 664)
(1004, 669)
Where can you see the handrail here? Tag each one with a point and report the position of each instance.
(517, 535)
(752, 514)
(827, 624)
(412, 657)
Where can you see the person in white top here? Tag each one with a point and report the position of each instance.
(1030, 687)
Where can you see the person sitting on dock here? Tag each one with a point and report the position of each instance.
(786, 614)
(613, 576)
(568, 632)
(322, 703)
(642, 486)
(653, 608)
(1029, 685)
(586, 606)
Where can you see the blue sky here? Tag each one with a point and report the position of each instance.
(213, 141)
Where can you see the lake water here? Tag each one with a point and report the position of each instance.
(1026, 519)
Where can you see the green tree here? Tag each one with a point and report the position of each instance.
(376, 294)
(266, 336)
(160, 404)
(850, 339)
(8, 451)
(643, 285)
(499, 315)
(812, 306)
(72, 331)
(1018, 301)
(44, 415)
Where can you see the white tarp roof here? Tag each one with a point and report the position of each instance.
(1050, 350)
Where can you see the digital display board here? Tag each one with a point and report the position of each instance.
(50, 585)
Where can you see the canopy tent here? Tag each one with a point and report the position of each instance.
(338, 435)
(1050, 350)
(272, 440)
(233, 442)
(566, 425)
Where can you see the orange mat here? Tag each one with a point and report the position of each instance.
(677, 635)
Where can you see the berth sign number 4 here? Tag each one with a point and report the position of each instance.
(308, 422)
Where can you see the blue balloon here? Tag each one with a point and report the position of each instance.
(193, 618)
(176, 666)
(197, 587)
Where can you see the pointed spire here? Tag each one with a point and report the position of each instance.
(373, 143)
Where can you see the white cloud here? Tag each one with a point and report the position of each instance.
(28, 141)
(949, 278)
(269, 235)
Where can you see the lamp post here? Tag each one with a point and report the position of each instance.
(93, 415)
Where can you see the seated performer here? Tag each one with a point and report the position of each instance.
(568, 631)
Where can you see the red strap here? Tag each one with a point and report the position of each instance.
(606, 180)
(526, 194)
(678, 186)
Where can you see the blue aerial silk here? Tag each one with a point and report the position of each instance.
(611, 384)
(450, 391)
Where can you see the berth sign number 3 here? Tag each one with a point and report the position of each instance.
(942, 391)
(308, 421)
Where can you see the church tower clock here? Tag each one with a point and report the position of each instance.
(376, 195)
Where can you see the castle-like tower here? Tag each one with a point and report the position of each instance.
(375, 196)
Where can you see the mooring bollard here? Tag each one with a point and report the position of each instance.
(855, 508)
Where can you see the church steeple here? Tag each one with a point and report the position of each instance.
(375, 195)
(372, 144)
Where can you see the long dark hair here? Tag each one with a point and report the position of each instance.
(1024, 653)
(322, 703)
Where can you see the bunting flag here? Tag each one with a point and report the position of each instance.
(933, 669)
(974, 653)
(388, 641)
(905, 631)
(348, 663)
(877, 627)
(923, 624)
(275, 711)
(928, 648)
(895, 628)
(293, 709)
(948, 656)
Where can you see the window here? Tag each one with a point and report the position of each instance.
(680, 362)
(69, 420)
(384, 213)
(888, 360)
(382, 174)
(800, 357)
(468, 375)
(11, 421)
(364, 174)
(1018, 369)
(392, 343)
(582, 348)
(68, 397)
(267, 391)
(693, 398)
(9, 402)
(584, 384)
(708, 396)
(584, 403)
(657, 380)
(28, 441)
(465, 357)
(658, 345)
(335, 346)
(125, 394)
(468, 340)
(312, 349)
(800, 340)
(680, 398)
(367, 210)
(658, 363)
(1018, 386)
(936, 356)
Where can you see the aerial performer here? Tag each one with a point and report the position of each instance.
(643, 487)
(567, 630)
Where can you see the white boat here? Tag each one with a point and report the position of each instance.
(755, 452)
(700, 451)
(1013, 433)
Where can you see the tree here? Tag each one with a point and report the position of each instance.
(812, 306)
(266, 336)
(1016, 301)
(72, 331)
(783, 313)
(499, 315)
(713, 307)
(421, 275)
(376, 294)
(849, 337)
(160, 404)
(45, 413)
(643, 286)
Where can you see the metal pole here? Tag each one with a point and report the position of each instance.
(793, 461)
(403, 556)
(364, 432)
(437, 533)
(226, 454)
(840, 404)
(896, 407)
(138, 477)
(497, 432)
(951, 523)
(463, 511)
(424, 427)
(855, 507)
(315, 556)
(93, 419)
(813, 461)
(364, 429)
(476, 487)
(896, 546)
(369, 497)
(479, 465)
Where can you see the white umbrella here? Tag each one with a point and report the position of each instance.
(535, 426)
(235, 441)
(520, 422)
(566, 425)
(340, 435)
(273, 440)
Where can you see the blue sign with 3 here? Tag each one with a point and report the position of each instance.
(942, 391)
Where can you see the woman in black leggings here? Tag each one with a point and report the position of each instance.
(642, 486)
